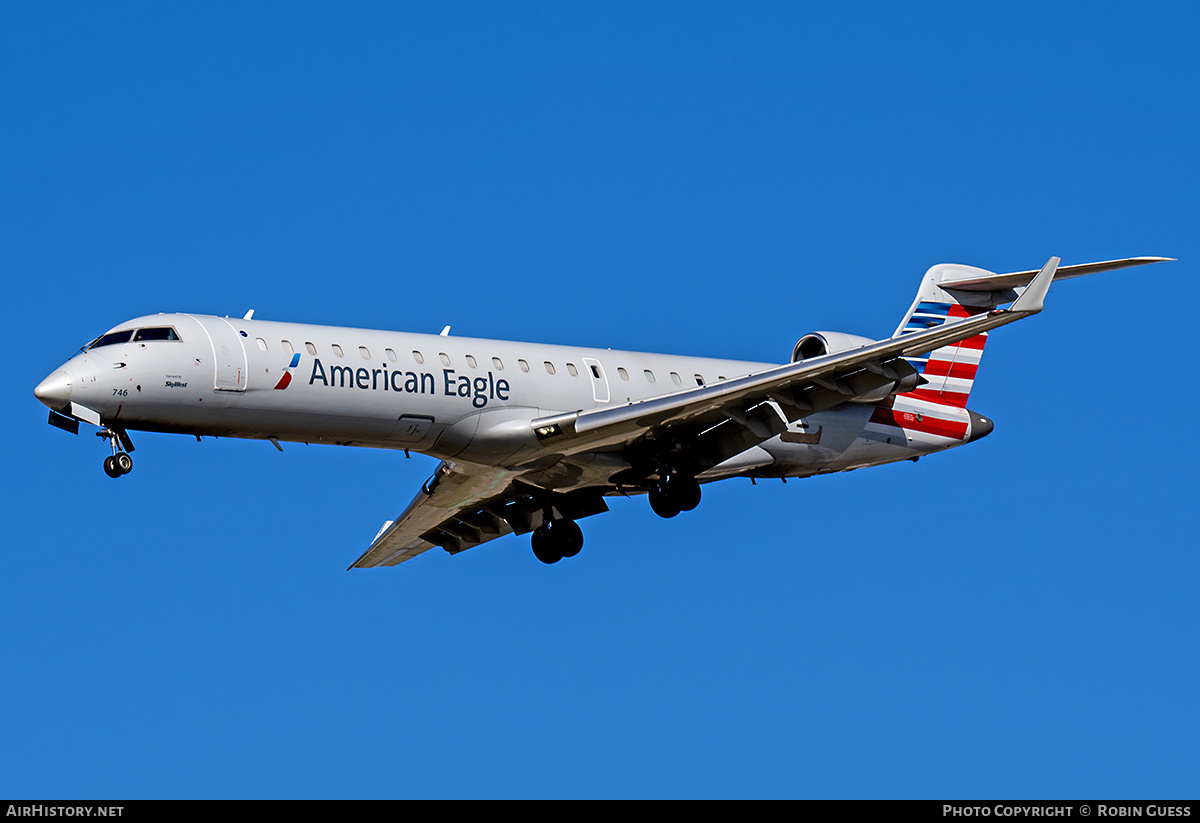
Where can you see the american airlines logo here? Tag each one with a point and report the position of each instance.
(478, 389)
(287, 373)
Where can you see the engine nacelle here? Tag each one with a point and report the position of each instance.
(870, 383)
(827, 342)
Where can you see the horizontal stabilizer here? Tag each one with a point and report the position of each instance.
(966, 278)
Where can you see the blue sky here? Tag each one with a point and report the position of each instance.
(1016, 618)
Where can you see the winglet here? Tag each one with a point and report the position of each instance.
(1032, 299)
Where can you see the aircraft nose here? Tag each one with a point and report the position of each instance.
(55, 390)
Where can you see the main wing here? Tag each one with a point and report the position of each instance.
(463, 505)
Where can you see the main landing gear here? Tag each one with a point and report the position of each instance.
(556, 539)
(560, 537)
(119, 462)
(674, 493)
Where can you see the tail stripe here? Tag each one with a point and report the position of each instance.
(945, 368)
(944, 397)
(955, 429)
(949, 371)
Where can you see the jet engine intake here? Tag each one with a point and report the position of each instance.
(818, 343)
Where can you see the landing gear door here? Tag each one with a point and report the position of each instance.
(229, 355)
(599, 380)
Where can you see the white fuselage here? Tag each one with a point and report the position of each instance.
(449, 397)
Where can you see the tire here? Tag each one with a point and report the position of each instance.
(684, 490)
(543, 544)
(123, 462)
(110, 467)
(662, 502)
(567, 537)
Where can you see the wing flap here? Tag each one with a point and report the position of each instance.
(464, 505)
(446, 513)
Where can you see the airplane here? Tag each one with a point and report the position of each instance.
(532, 437)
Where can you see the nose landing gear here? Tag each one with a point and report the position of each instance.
(119, 462)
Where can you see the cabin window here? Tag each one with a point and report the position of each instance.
(391, 353)
(720, 377)
(157, 333)
(571, 368)
(471, 362)
(498, 364)
(699, 380)
(595, 372)
(676, 379)
(649, 376)
(420, 358)
(262, 344)
(445, 358)
(337, 350)
(621, 371)
(366, 355)
(524, 366)
(311, 349)
(549, 367)
(287, 346)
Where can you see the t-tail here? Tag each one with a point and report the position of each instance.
(950, 291)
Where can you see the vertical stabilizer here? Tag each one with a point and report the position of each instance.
(949, 372)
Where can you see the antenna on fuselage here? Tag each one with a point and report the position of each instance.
(445, 332)
(249, 315)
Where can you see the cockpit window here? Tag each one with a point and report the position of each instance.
(140, 335)
(112, 338)
(157, 333)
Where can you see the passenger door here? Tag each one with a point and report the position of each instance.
(229, 354)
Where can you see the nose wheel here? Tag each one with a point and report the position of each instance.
(119, 462)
